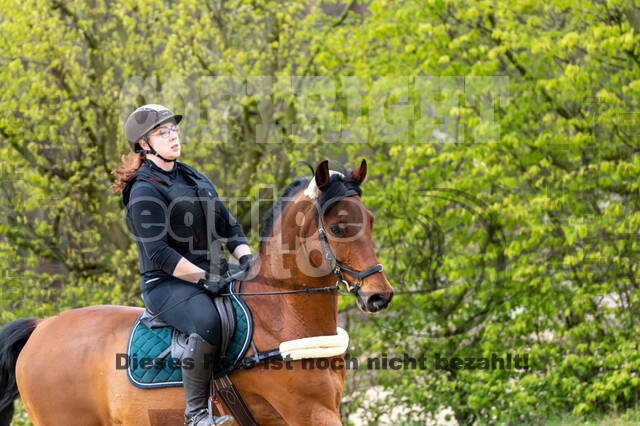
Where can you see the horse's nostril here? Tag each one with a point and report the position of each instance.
(378, 301)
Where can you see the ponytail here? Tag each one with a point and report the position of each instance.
(129, 164)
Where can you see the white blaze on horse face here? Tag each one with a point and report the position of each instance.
(313, 191)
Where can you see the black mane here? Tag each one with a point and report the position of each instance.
(337, 188)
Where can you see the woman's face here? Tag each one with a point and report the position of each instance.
(165, 140)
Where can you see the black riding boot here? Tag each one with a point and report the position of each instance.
(196, 383)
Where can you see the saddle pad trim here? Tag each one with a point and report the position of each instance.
(133, 381)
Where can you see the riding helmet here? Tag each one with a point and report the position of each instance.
(143, 120)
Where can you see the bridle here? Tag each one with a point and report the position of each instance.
(337, 268)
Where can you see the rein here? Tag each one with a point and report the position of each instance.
(336, 268)
(307, 290)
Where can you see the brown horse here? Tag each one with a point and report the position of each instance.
(65, 365)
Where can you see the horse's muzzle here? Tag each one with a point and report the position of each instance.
(373, 302)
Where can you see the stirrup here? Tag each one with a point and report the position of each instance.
(204, 414)
(223, 420)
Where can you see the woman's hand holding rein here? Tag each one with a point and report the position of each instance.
(187, 271)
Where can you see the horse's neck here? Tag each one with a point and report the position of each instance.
(291, 316)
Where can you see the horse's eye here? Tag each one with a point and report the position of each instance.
(337, 230)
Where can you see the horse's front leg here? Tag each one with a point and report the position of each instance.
(298, 395)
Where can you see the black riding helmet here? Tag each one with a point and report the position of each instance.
(144, 119)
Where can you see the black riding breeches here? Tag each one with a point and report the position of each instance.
(197, 314)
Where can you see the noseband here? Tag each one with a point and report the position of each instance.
(338, 268)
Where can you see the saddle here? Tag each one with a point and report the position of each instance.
(152, 340)
(178, 346)
(223, 305)
(225, 309)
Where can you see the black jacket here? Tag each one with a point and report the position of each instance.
(178, 214)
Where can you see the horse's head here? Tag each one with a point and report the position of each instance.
(337, 239)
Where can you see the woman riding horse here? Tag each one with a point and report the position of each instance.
(179, 225)
(316, 237)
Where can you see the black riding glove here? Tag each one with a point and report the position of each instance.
(212, 286)
(246, 262)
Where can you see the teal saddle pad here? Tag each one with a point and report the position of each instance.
(145, 345)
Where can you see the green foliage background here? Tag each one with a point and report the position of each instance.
(502, 139)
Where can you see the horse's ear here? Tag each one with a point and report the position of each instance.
(322, 175)
(359, 173)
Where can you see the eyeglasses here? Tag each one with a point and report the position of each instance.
(166, 131)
